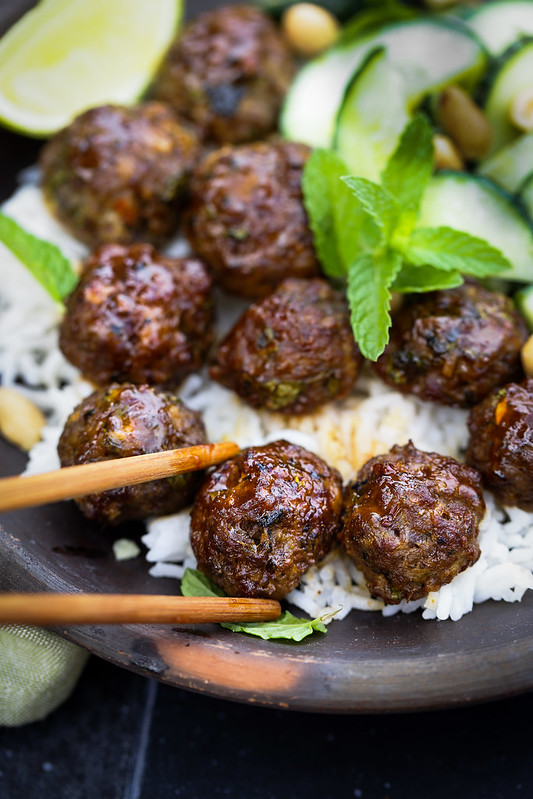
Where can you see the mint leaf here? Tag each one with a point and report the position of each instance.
(425, 278)
(288, 626)
(409, 169)
(45, 261)
(446, 248)
(377, 202)
(340, 225)
(195, 583)
(369, 279)
(320, 185)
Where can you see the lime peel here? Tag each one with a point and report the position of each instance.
(65, 56)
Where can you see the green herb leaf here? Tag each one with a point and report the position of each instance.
(446, 248)
(288, 626)
(369, 280)
(45, 261)
(340, 225)
(320, 185)
(409, 170)
(377, 202)
(425, 278)
(195, 583)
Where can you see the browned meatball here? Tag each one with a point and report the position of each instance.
(119, 174)
(501, 443)
(246, 216)
(228, 71)
(124, 420)
(453, 346)
(292, 351)
(261, 519)
(138, 316)
(411, 522)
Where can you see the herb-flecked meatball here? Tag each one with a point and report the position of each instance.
(138, 316)
(124, 420)
(246, 216)
(501, 443)
(228, 72)
(411, 522)
(261, 519)
(118, 174)
(292, 351)
(454, 346)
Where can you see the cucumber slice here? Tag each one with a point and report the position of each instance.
(524, 302)
(501, 23)
(511, 165)
(511, 73)
(479, 207)
(428, 51)
(366, 131)
(525, 195)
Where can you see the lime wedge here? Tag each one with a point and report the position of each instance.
(65, 56)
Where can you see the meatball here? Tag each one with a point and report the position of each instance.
(120, 174)
(411, 521)
(501, 443)
(228, 72)
(292, 351)
(261, 519)
(138, 316)
(124, 420)
(246, 216)
(453, 346)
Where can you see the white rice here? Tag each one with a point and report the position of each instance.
(344, 434)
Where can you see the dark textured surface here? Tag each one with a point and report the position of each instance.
(121, 736)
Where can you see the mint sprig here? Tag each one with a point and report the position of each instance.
(287, 626)
(368, 237)
(44, 260)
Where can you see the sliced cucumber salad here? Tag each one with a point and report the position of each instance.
(426, 52)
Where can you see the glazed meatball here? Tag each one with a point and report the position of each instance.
(124, 420)
(453, 346)
(138, 316)
(120, 174)
(246, 216)
(261, 519)
(411, 522)
(501, 443)
(292, 351)
(228, 72)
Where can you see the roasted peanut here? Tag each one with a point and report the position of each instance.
(309, 29)
(21, 421)
(464, 121)
(521, 111)
(447, 156)
(526, 354)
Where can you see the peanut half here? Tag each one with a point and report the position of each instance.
(21, 421)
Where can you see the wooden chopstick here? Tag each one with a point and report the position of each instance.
(76, 481)
(44, 609)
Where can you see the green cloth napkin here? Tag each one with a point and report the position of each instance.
(38, 671)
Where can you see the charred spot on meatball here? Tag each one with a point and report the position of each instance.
(501, 443)
(118, 174)
(138, 316)
(292, 351)
(246, 217)
(261, 519)
(228, 72)
(411, 522)
(125, 420)
(454, 346)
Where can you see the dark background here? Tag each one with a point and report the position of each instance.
(123, 736)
